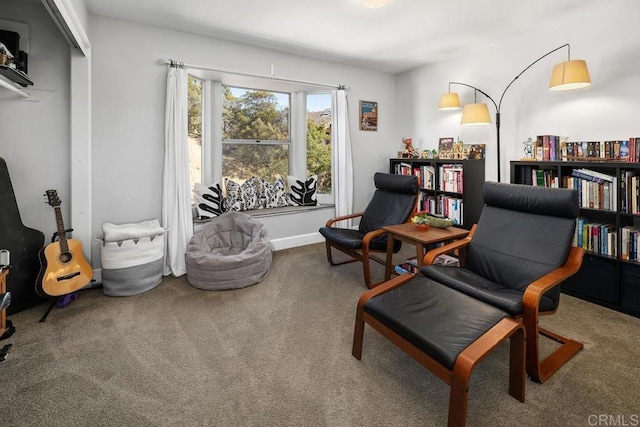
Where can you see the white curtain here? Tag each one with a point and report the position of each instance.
(176, 189)
(341, 153)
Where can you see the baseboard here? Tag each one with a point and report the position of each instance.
(295, 241)
(96, 280)
(276, 245)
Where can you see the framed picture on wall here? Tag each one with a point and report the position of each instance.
(368, 115)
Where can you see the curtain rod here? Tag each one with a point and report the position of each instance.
(240, 73)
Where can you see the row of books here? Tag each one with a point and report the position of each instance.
(597, 190)
(593, 195)
(630, 193)
(425, 173)
(547, 148)
(556, 148)
(627, 150)
(451, 178)
(544, 178)
(602, 239)
(595, 237)
(629, 243)
(451, 207)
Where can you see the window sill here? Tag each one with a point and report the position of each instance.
(287, 210)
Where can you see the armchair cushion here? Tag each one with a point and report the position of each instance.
(468, 282)
(438, 320)
(392, 202)
(524, 232)
(352, 239)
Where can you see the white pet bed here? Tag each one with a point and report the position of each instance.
(132, 257)
(230, 252)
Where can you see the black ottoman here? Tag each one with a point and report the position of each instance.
(448, 332)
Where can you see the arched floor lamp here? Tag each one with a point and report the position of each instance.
(567, 75)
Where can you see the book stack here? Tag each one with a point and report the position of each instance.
(596, 190)
(451, 178)
(630, 192)
(451, 207)
(544, 178)
(403, 169)
(547, 148)
(629, 243)
(626, 150)
(595, 237)
(427, 203)
(426, 176)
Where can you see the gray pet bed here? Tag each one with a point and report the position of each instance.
(230, 252)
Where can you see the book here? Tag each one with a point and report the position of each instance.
(592, 175)
(624, 150)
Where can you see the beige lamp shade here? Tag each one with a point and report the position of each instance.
(374, 4)
(449, 101)
(570, 75)
(475, 114)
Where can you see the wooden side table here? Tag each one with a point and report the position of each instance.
(408, 233)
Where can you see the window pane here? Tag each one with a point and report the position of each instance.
(319, 139)
(241, 161)
(255, 115)
(194, 129)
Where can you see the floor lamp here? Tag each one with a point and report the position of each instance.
(567, 75)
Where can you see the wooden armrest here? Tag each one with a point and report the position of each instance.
(534, 291)
(370, 236)
(430, 256)
(396, 282)
(342, 218)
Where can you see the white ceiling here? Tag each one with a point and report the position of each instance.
(400, 36)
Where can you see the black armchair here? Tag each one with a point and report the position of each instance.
(393, 202)
(515, 259)
(512, 264)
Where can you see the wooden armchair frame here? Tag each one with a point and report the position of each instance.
(539, 370)
(363, 255)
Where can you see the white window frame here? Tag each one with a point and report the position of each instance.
(212, 106)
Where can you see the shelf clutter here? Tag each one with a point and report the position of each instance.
(609, 224)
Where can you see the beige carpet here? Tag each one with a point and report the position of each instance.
(279, 354)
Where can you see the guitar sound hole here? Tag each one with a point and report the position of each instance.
(65, 257)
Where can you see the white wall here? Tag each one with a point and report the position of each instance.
(128, 114)
(34, 137)
(610, 43)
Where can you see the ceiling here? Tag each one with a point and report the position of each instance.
(403, 35)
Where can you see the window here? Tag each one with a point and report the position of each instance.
(255, 134)
(319, 139)
(194, 131)
(258, 132)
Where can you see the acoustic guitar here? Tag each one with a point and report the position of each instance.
(63, 269)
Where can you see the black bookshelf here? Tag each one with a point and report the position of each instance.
(607, 280)
(473, 178)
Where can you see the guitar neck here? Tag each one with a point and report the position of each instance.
(62, 234)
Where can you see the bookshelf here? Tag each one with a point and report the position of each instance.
(448, 186)
(608, 228)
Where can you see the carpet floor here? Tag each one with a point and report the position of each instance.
(279, 354)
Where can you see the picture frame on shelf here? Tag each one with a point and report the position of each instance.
(368, 115)
(445, 148)
(475, 151)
